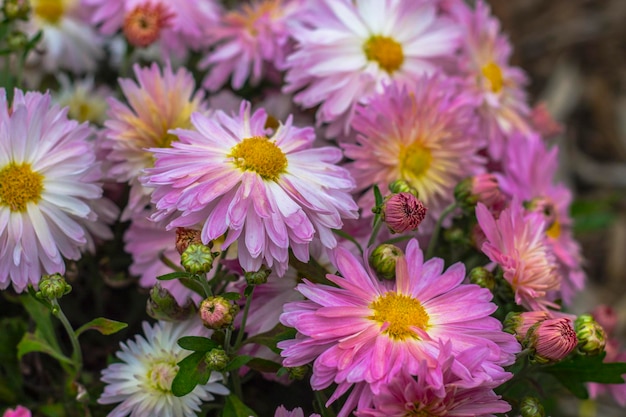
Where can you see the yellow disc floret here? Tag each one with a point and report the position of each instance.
(260, 155)
(415, 160)
(19, 185)
(49, 10)
(385, 51)
(161, 374)
(493, 74)
(401, 312)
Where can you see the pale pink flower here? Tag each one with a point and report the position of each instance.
(425, 136)
(177, 25)
(271, 194)
(157, 102)
(484, 63)
(249, 38)
(19, 411)
(516, 242)
(49, 178)
(414, 396)
(348, 51)
(529, 169)
(371, 331)
(296, 412)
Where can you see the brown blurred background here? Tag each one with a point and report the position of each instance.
(574, 52)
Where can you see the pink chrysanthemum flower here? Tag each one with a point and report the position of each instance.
(250, 38)
(68, 40)
(160, 101)
(48, 178)
(370, 331)
(270, 194)
(178, 25)
(19, 411)
(516, 241)
(414, 396)
(147, 243)
(529, 171)
(484, 63)
(296, 412)
(348, 51)
(424, 136)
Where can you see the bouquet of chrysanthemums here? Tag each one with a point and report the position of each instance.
(283, 208)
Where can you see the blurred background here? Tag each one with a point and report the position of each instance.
(574, 52)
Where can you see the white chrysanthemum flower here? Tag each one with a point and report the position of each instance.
(142, 382)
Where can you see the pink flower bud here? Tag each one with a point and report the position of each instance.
(217, 312)
(543, 122)
(403, 212)
(552, 340)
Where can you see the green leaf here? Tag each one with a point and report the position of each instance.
(232, 296)
(575, 372)
(191, 371)
(378, 197)
(42, 317)
(35, 342)
(197, 343)
(174, 275)
(271, 338)
(234, 407)
(104, 326)
(237, 363)
(264, 365)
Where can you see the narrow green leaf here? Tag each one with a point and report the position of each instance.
(189, 375)
(34, 342)
(264, 365)
(174, 275)
(102, 325)
(237, 363)
(197, 343)
(378, 197)
(234, 407)
(42, 317)
(271, 338)
(232, 296)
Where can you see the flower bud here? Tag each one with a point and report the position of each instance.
(402, 186)
(479, 188)
(531, 407)
(185, 237)
(298, 372)
(551, 339)
(197, 259)
(16, 41)
(483, 277)
(543, 122)
(216, 359)
(217, 312)
(163, 306)
(403, 212)
(52, 287)
(518, 324)
(591, 336)
(16, 9)
(383, 259)
(257, 277)
(606, 317)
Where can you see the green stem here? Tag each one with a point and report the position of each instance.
(77, 355)
(205, 285)
(236, 383)
(378, 221)
(244, 318)
(322, 400)
(168, 262)
(433, 240)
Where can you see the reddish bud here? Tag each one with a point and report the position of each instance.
(403, 212)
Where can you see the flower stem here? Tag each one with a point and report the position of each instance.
(433, 240)
(244, 318)
(77, 355)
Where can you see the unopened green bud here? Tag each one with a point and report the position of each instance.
(16, 41)
(16, 9)
(531, 407)
(217, 312)
(163, 306)
(482, 277)
(591, 336)
(52, 287)
(257, 277)
(456, 235)
(298, 372)
(216, 359)
(463, 193)
(197, 258)
(402, 186)
(383, 259)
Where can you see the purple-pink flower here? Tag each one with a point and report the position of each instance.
(19, 411)
(266, 189)
(368, 331)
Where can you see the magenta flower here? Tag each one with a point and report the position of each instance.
(348, 51)
(19, 411)
(296, 412)
(371, 331)
(249, 39)
(425, 136)
(517, 243)
(270, 193)
(414, 396)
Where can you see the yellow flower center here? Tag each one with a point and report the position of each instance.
(493, 74)
(554, 231)
(416, 412)
(166, 141)
(19, 185)
(415, 160)
(401, 312)
(161, 374)
(49, 10)
(260, 155)
(386, 51)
